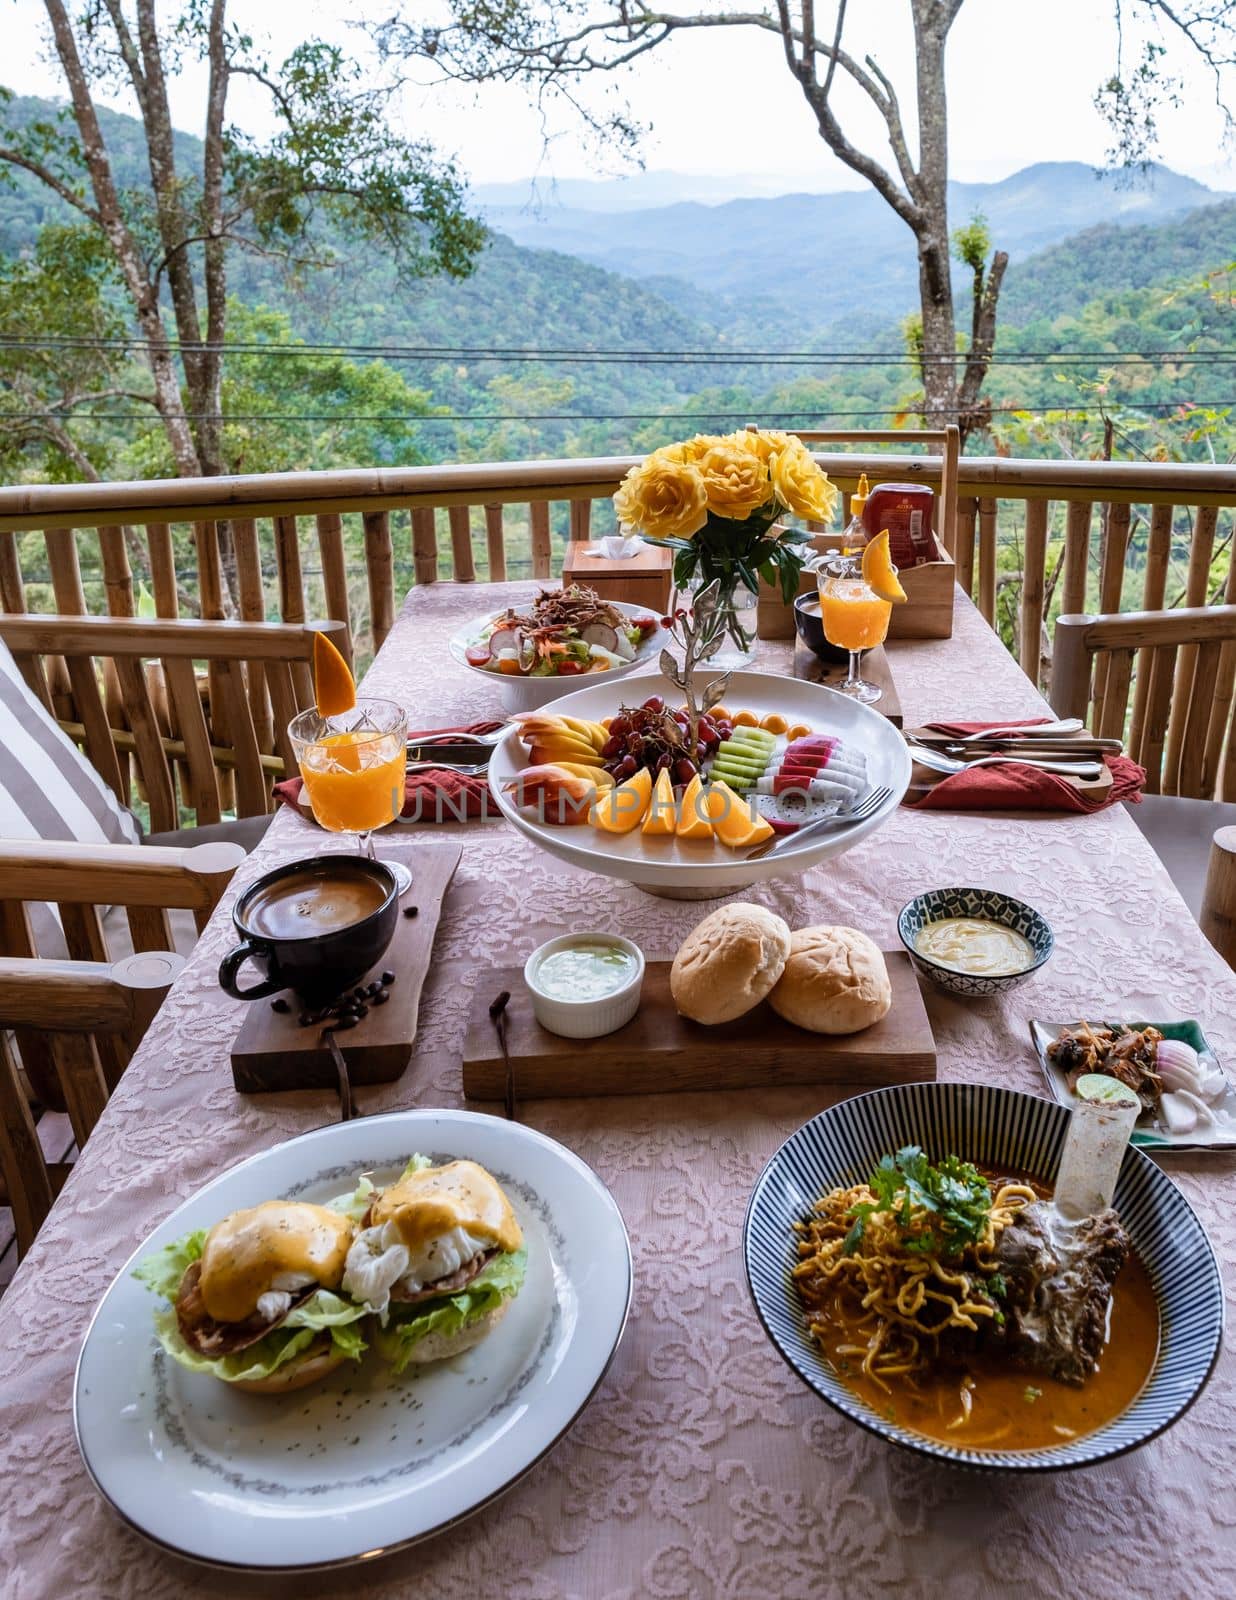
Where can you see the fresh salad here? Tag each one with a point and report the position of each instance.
(565, 632)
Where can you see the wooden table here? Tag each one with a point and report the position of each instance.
(701, 1467)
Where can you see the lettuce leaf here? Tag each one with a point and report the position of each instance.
(162, 1271)
(322, 1312)
(501, 1280)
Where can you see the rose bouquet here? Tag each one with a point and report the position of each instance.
(714, 501)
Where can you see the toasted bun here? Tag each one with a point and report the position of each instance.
(835, 981)
(312, 1365)
(728, 963)
(441, 1346)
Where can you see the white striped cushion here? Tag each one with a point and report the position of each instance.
(48, 790)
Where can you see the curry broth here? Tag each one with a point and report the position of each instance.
(1011, 1409)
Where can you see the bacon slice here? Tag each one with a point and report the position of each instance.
(202, 1333)
(448, 1285)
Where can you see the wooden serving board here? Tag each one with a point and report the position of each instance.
(273, 1052)
(875, 669)
(659, 1052)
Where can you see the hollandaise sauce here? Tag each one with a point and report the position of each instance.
(460, 1194)
(247, 1251)
(973, 944)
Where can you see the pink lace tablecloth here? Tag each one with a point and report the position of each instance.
(702, 1467)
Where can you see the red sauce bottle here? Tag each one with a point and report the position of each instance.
(905, 509)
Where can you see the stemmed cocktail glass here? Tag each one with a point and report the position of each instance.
(855, 618)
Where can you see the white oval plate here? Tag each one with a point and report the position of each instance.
(530, 694)
(684, 864)
(364, 1462)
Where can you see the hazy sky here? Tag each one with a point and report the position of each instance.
(1021, 80)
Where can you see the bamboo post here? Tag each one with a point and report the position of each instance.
(12, 588)
(967, 513)
(162, 569)
(542, 541)
(494, 544)
(1032, 586)
(1076, 557)
(1154, 588)
(425, 544)
(580, 519)
(1197, 586)
(1218, 918)
(380, 568)
(1113, 547)
(987, 560)
(251, 602)
(335, 575)
(1069, 693)
(460, 520)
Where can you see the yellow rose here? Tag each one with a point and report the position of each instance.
(664, 498)
(689, 452)
(735, 478)
(801, 485)
(767, 443)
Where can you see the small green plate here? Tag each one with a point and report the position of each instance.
(1148, 1134)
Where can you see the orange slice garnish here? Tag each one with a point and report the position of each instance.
(334, 687)
(879, 573)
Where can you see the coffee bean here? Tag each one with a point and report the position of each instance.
(387, 979)
(381, 997)
(345, 1022)
(279, 1005)
(362, 1011)
(305, 1019)
(411, 911)
(374, 988)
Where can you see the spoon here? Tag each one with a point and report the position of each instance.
(1041, 730)
(939, 762)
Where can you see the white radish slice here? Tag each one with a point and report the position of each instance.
(1204, 1113)
(1178, 1114)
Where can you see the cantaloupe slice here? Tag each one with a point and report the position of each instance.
(622, 808)
(879, 573)
(693, 819)
(662, 815)
(734, 821)
(334, 688)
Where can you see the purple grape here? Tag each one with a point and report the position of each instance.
(626, 768)
(612, 746)
(664, 762)
(654, 702)
(684, 770)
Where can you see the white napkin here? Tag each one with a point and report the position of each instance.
(616, 547)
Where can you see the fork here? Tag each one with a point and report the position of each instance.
(866, 807)
(471, 771)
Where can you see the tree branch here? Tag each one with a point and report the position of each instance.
(16, 158)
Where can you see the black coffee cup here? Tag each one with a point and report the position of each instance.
(323, 961)
(810, 626)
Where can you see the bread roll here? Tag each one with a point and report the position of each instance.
(835, 981)
(728, 963)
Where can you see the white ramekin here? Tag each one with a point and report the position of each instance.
(585, 1019)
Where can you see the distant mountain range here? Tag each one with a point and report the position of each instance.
(814, 259)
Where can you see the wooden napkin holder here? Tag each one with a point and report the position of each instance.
(926, 614)
(643, 580)
(273, 1052)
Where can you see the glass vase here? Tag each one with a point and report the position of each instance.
(736, 604)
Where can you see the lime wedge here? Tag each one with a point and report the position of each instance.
(1098, 1086)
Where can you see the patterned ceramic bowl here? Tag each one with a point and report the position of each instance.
(1015, 1132)
(990, 905)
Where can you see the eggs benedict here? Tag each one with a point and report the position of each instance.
(256, 1301)
(439, 1257)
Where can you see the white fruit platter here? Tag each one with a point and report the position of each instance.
(516, 657)
(591, 780)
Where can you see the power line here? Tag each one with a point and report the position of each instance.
(605, 357)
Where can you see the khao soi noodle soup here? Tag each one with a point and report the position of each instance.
(959, 1304)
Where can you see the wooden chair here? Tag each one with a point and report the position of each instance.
(138, 700)
(1163, 681)
(68, 1028)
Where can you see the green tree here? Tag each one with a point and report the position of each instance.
(333, 170)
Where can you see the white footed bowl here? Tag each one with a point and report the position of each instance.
(688, 869)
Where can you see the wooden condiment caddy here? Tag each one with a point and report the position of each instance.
(926, 614)
(643, 580)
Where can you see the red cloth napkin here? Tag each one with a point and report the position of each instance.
(437, 794)
(1023, 788)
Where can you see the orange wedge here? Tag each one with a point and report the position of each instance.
(733, 820)
(334, 688)
(662, 816)
(694, 821)
(622, 808)
(879, 573)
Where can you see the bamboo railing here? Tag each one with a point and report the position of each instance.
(1030, 539)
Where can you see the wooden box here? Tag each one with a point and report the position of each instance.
(926, 614)
(644, 580)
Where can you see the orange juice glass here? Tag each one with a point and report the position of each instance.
(353, 765)
(854, 619)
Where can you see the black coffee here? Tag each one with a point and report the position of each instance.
(306, 903)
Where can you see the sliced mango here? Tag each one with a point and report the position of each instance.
(662, 815)
(622, 808)
(879, 573)
(733, 820)
(334, 688)
(694, 821)
(597, 775)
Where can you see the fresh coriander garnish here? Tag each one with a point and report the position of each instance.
(1030, 1394)
(953, 1195)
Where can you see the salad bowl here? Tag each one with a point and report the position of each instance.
(520, 691)
(687, 869)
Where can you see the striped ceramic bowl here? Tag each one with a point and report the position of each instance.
(990, 905)
(1014, 1132)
